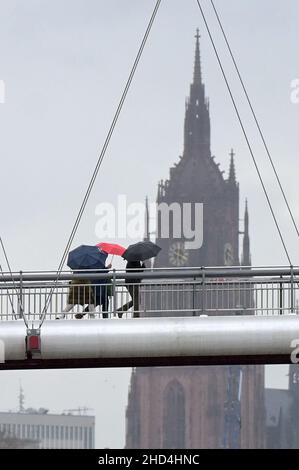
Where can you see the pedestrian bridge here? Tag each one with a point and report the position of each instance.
(183, 316)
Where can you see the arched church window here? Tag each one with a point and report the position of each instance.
(174, 416)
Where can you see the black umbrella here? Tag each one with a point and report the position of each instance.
(141, 251)
(86, 257)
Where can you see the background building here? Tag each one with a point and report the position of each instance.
(187, 407)
(40, 429)
(282, 411)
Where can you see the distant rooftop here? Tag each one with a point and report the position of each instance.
(80, 411)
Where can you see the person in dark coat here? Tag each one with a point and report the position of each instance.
(101, 292)
(132, 285)
(93, 292)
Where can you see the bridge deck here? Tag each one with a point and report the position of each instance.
(193, 316)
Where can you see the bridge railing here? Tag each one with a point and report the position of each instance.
(155, 292)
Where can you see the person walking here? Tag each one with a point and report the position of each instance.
(86, 259)
(133, 286)
(80, 293)
(101, 293)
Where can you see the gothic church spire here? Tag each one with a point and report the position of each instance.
(197, 64)
(232, 170)
(197, 117)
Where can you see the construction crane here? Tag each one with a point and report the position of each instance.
(232, 409)
(81, 410)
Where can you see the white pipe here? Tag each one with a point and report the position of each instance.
(157, 337)
(12, 335)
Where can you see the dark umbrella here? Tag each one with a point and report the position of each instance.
(86, 257)
(141, 251)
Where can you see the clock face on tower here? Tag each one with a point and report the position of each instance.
(228, 255)
(178, 255)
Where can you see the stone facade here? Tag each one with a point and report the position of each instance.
(184, 407)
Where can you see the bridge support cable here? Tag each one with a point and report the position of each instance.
(19, 297)
(103, 152)
(255, 117)
(245, 134)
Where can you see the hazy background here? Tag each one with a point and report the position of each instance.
(64, 64)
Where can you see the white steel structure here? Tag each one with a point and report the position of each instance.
(187, 316)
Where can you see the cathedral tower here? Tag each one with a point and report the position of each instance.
(183, 407)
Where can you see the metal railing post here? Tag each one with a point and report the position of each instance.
(114, 292)
(21, 299)
(203, 277)
(193, 297)
(281, 296)
(292, 289)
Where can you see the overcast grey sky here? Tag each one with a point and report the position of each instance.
(64, 64)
